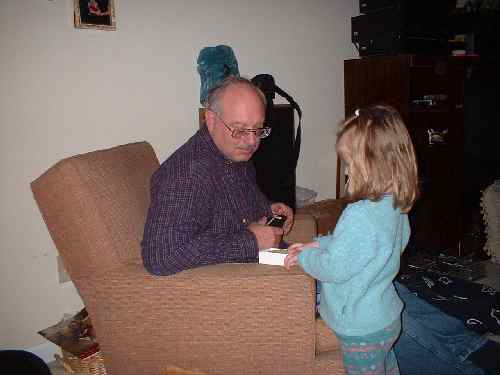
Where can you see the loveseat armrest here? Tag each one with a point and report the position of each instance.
(222, 319)
(303, 230)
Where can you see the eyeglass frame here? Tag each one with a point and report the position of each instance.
(265, 129)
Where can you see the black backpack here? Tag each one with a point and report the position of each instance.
(277, 157)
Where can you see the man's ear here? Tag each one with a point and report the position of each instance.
(209, 119)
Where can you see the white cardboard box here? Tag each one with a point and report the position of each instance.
(273, 256)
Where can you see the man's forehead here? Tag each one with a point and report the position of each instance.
(241, 93)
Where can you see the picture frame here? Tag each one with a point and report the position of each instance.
(95, 14)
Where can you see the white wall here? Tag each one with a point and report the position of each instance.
(65, 91)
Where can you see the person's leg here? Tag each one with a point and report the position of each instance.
(391, 363)
(432, 342)
(371, 354)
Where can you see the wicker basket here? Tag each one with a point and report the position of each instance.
(91, 365)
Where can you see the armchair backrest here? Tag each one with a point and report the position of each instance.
(95, 206)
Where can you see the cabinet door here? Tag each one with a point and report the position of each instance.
(429, 95)
(436, 126)
(437, 223)
(374, 80)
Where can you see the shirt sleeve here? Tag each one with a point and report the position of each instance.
(178, 235)
(345, 253)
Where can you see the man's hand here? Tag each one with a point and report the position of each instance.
(267, 236)
(283, 209)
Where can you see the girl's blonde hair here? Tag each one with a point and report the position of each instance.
(380, 156)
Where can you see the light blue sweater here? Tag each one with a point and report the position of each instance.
(356, 266)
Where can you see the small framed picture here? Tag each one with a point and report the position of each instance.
(95, 14)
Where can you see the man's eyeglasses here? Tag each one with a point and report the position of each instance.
(238, 131)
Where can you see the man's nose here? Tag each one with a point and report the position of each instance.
(251, 138)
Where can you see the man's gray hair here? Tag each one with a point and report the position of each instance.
(213, 98)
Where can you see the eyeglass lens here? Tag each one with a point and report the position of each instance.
(259, 133)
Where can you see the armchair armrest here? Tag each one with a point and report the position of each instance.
(227, 318)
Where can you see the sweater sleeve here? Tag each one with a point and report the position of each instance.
(178, 235)
(345, 253)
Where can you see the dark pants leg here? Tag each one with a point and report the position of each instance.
(432, 342)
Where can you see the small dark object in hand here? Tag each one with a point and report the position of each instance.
(276, 220)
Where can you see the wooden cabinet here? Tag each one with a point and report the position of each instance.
(428, 92)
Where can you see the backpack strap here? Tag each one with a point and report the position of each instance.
(267, 85)
(298, 134)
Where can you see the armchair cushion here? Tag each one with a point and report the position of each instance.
(95, 206)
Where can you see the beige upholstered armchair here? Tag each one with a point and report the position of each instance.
(222, 319)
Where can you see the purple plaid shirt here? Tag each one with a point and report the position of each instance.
(201, 205)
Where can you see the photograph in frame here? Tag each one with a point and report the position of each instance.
(95, 14)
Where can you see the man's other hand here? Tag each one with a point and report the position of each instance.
(267, 236)
(282, 209)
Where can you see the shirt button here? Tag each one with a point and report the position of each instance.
(245, 221)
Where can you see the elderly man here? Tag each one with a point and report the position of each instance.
(206, 207)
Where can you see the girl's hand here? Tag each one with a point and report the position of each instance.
(290, 261)
(293, 253)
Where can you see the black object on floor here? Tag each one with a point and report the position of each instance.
(22, 362)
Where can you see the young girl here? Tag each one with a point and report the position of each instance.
(356, 265)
